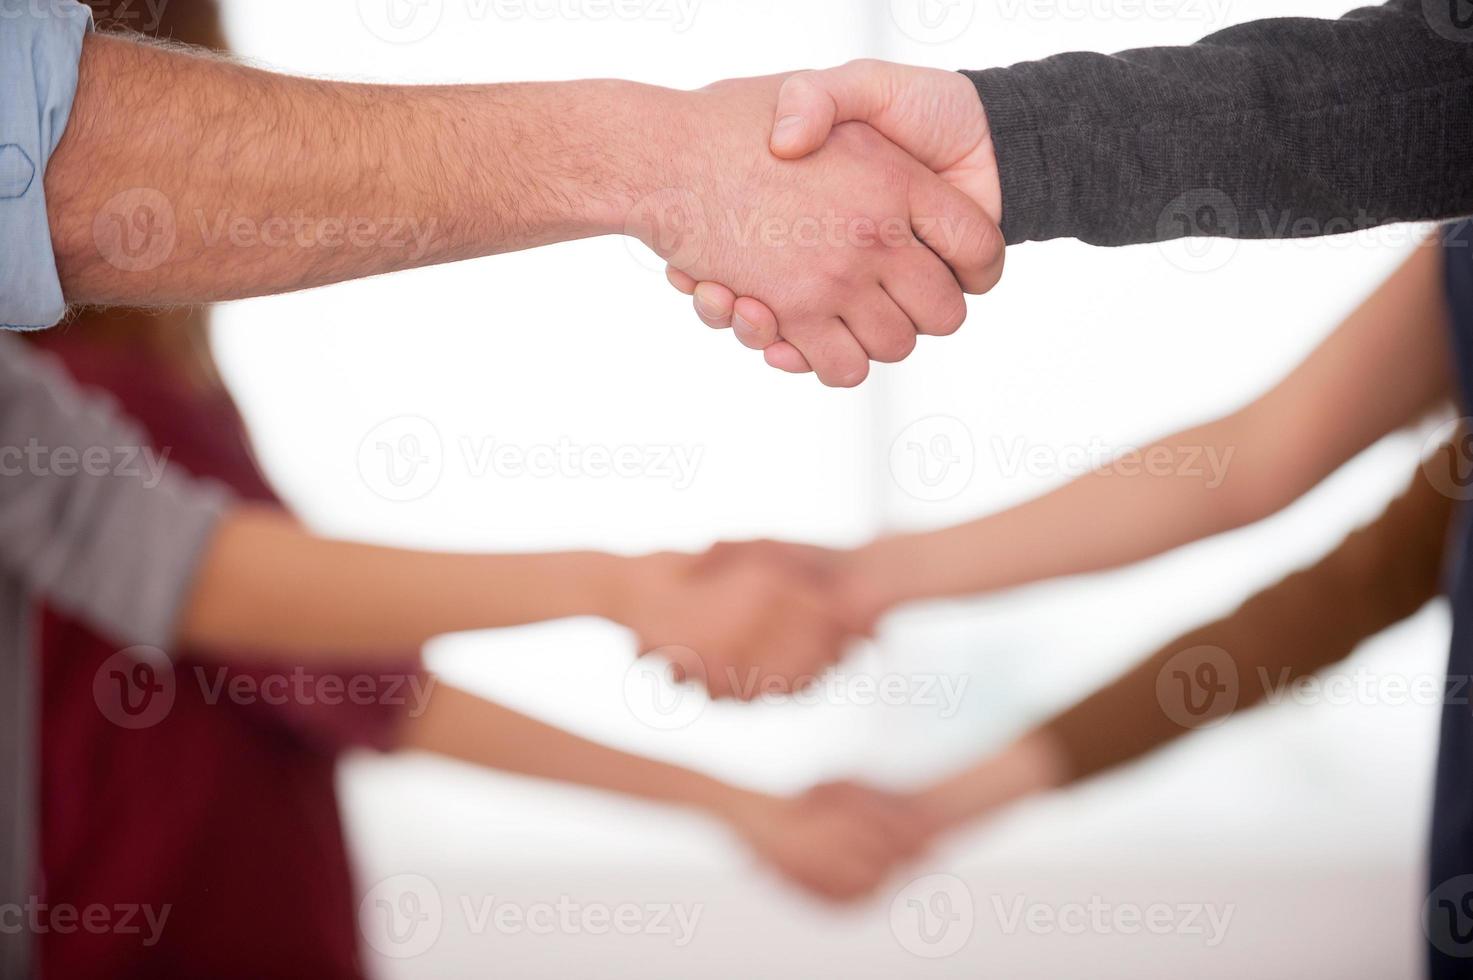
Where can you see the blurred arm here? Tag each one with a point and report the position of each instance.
(270, 587)
(1378, 576)
(1383, 368)
(835, 844)
(461, 726)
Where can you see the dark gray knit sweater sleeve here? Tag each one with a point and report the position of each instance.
(1280, 128)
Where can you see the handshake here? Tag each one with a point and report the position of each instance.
(829, 218)
(768, 617)
(751, 619)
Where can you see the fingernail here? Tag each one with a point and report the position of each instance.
(744, 330)
(707, 310)
(787, 129)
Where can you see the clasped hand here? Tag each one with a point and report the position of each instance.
(836, 216)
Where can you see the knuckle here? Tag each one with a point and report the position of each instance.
(950, 319)
(896, 347)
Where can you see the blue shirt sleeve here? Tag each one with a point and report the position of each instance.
(40, 47)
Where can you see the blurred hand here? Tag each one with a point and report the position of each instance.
(744, 628)
(856, 598)
(838, 842)
(852, 250)
(934, 115)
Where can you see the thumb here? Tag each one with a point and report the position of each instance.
(812, 103)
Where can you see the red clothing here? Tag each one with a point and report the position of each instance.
(224, 814)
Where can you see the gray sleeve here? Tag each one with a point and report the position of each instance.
(92, 519)
(1281, 128)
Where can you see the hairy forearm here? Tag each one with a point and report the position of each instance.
(188, 178)
(462, 726)
(268, 586)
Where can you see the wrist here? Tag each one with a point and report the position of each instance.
(641, 152)
(617, 587)
(741, 809)
(1032, 765)
(885, 572)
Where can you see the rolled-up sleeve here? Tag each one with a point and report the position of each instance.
(40, 48)
(91, 519)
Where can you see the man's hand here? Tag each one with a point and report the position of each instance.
(838, 842)
(847, 249)
(935, 116)
(743, 629)
(243, 183)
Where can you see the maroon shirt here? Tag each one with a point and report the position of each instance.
(223, 813)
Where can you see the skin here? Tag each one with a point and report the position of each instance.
(1384, 368)
(742, 630)
(837, 843)
(933, 115)
(250, 182)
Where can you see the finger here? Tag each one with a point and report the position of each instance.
(714, 304)
(682, 281)
(785, 357)
(846, 880)
(894, 819)
(956, 228)
(834, 354)
(812, 103)
(925, 289)
(754, 324)
(881, 327)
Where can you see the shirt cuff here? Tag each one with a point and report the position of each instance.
(1021, 165)
(40, 49)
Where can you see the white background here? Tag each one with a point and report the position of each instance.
(1308, 820)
